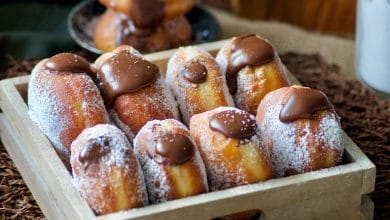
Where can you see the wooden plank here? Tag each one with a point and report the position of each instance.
(368, 168)
(28, 169)
(319, 193)
(328, 193)
(48, 165)
(367, 208)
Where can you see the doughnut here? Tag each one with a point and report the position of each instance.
(114, 29)
(63, 100)
(106, 171)
(133, 90)
(196, 82)
(230, 145)
(150, 13)
(253, 68)
(302, 128)
(170, 160)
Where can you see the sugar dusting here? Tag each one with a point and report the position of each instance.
(185, 91)
(157, 182)
(95, 182)
(291, 151)
(211, 144)
(46, 110)
(124, 127)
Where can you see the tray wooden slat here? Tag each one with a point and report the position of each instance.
(333, 193)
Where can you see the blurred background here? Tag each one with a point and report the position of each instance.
(328, 16)
(38, 28)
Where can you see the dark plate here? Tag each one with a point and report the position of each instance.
(83, 17)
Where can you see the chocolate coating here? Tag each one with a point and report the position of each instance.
(194, 72)
(303, 103)
(171, 149)
(127, 30)
(247, 50)
(92, 152)
(68, 62)
(234, 124)
(147, 13)
(125, 73)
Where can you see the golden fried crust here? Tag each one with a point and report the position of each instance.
(112, 182)
(137, 108)
(302, 145)
(63, 105)
(197, 98)
(253, 83)
(172, 9)
(170, 34)
(105, 32)
(153, 102)
(228, 162)
(165, 181)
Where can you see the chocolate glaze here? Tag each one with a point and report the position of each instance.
(247, 50)
(171, 149)
(68, 62)
(127, 29)
(303, 103)
(93, 152)
(194, 72)
(125, 73)
(234, 124)
(147, 13)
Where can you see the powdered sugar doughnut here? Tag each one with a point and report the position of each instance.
(106, 171)
(197, 82)
(230, 145)
(133, 89)
(63, 100)
(302, 129)
(170, 160)
(253, 68)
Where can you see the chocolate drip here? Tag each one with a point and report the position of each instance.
(147, 13)
(93, 152)
(194, 72)
(127, 30)
(171, 149)
(68, 62)
(234, 124)
(303, 103)
(247, 50)
(125, 73)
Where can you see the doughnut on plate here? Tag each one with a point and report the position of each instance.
(333, 193)
(83, 18)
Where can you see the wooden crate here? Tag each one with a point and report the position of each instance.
(334, 193)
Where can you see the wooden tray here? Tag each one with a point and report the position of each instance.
(334, 193)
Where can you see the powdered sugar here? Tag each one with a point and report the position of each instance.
(158, 182)
(99, 181)
(224, 169)
(291, 143)
(196, 98)
(124, 127)
(47, 109)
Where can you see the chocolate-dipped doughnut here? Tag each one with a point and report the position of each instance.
(231, 148)
(170, 160)
(150, 13)
(253, 68)
(63, 100)
(106, 171)
(302, 128)
(114, 29)
(196, 82)
(133, 89)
